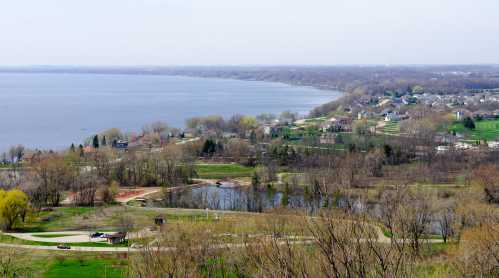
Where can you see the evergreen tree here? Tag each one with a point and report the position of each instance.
(72, 148)
(104, 142)
(80, 147)
(469, 123)
(285, 196)
(253, 137)
(255, 181)
(95, 142)
(209, 147)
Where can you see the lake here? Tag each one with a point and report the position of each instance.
(55, 110)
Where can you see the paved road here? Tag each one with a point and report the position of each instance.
(75, 236)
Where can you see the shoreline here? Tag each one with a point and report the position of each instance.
(330, 95)
(150, 73)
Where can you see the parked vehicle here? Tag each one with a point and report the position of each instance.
(63, 246)
(96, 234)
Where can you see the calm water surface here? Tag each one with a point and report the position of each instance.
(54, 110)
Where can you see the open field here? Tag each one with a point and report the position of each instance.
(220, 171)
(484, 130)
(59, 264)
(77, 267)
(391, 128)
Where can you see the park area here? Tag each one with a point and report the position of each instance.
(484, 130)
(221, 171)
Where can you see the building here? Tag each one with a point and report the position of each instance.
(121, 144)
(115, 238)
(342, 124)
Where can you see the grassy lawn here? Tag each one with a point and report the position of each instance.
(484, 130)
(220, 171)
(392, 128)
(59, 219)
(53, 235)
(86, 267)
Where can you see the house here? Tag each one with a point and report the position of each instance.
(272, 130)
(229, 135)
(115, 238)
(462, 146)
(362, 115)
(342, 124)
(31, 156)
(445, 138)
(89, 150)
(392, 117)
(486, 115)
(120, 144)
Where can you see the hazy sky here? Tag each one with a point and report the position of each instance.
(199, 32)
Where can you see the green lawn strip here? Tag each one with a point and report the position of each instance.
(56, 220)
(53, 235)
(81, 267)
(14, 240)
(218, 171)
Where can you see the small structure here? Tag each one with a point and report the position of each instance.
(115, 238)
(341, 124)
(159, 220)
(121, 144)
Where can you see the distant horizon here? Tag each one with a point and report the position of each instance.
(258, 32)
(240, 65)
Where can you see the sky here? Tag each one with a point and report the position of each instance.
(248, 32)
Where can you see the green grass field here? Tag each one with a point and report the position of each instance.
(220, 171)
(484, 130)
(392, 128)
(86, 268)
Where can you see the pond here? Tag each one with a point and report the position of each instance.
(229, 197)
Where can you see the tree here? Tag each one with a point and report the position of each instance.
(52, 175)
(14, 263)
(209, 147)
(95, 141)
(486, 177)
(446, 219)
(80, 148)
(72, 148)
(285, 196)
(16, 153)
(469, 123)
(13, 207)
(104, 142)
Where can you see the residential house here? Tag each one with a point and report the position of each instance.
(121, 144)
(341, 124)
